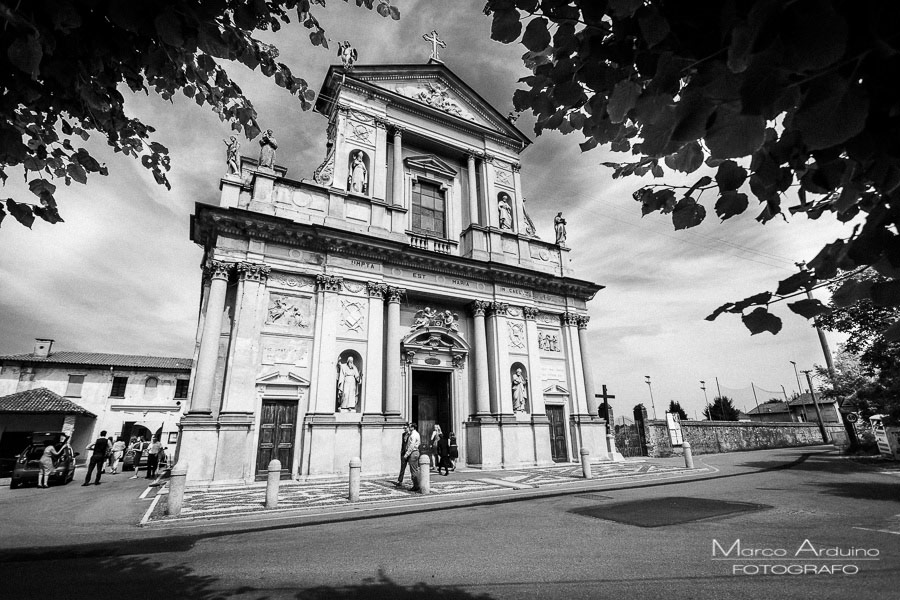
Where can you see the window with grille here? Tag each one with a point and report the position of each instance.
(181, 388)
(73, 390)
(428, 209)
(118, 387)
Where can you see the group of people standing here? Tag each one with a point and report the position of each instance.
(443, 452)
(107, 456)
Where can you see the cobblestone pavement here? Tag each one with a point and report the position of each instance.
(242, 500)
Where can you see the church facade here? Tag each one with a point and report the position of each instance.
(403, 283)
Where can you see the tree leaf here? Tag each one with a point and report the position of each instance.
(688, 159)
(730, 176)
(730, 204)
(808, 308)
(688, 213)
(25, 53)
(761, 320)
(76, 172)
(41, 186)
(21, 212)
(537, 36)
(733, 135)
(506, 25)
(832, 112)
(624, 95)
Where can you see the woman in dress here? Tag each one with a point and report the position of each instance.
(443, 452)
(454, 451)
(47, 464)
(436, 435)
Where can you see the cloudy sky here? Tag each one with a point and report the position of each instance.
(121, 275)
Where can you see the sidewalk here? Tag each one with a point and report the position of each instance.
(245, 501)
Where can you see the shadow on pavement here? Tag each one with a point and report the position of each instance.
(889, 492)
(382, 587)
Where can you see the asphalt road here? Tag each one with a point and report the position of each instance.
(561, 546)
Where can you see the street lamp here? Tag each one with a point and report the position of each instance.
(708, 409)
(650, 387)
(797, 375)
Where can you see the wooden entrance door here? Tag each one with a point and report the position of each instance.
(431, 404)
(557, 433)
(277, 427)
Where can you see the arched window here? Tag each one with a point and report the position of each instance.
(151, 382)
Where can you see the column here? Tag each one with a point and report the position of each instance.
(589, 389)
(535, 382)
(482, 386)
(473, 190)
(575, 362)
(491, 218)
(498, 359)
(373, 400)
(240, 384)
(397, 199)
(326, 376)
(208, 357)
(393, 389)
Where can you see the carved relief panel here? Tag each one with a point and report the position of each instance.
(352, 320)
(291, 313)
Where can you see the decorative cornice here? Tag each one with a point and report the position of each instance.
(217, 269)
(582, 321)
(376, 289)
(329, 283)
(395, 293)
(530, 313)
(253, 272)
(498, 308)
(478, 308)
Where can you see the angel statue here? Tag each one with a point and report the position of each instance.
(348, 55)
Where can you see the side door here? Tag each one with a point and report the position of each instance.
(557, 433)
(277, 427)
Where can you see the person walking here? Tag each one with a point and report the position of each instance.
(436, 435)
(99, 450)
(399, 481)
(110, 457)
(412, 455)
(153, 453)
(47, 465)
(454, 451)
(443, 456)
(118, 449)
(136, 453)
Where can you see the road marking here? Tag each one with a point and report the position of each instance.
(509, 484)
(879, 530)
(146, 518)
(144, 495)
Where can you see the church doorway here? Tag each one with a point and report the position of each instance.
(557, 419)
(277, 426)
(431, 404)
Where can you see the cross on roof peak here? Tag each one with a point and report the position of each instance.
(435, 42)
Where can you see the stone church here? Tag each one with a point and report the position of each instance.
(403, 283)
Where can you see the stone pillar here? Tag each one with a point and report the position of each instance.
(393, 390)
(575, 362)
(535, 382)
(482, 385)
(397, 199)
(473, 190)
(208, 357)
(373, 400)
(240, 383)
(589, 389)
(492, 216)
(498, 359)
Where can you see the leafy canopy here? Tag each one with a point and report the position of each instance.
(752, 97)
(675, 408)
(721, 409)
(64, 62)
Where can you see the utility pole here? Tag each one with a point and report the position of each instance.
(816, 404)
(797, 375)
(652, 404)
(708, 409)
(829, 362)
(718, 388)
(754, 397)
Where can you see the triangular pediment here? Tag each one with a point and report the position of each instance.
(432, 163)
(556, 390)
(282, 377)
(431, 88)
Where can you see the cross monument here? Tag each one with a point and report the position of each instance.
(606, 398)
(435, 42)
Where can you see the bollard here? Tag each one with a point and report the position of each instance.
(688, 457)
(424, 474)
(272, 483)
(355, 468)
(177, 478)
(586, 463)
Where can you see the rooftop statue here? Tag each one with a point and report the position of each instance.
(559, 224)
(348, 55)
(267, 147)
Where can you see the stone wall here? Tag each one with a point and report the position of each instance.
(710, 437)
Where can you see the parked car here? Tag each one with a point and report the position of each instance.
(128, 459)
(27, 466)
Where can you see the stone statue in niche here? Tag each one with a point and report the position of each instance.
(358, 180)
(519, 391)
(267, 147)
(348, 55)
(505, 207)
(559, 224)
(232, 161)
(349, 380)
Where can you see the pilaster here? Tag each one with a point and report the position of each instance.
(394, 392)
(374, 396)
(327, 287)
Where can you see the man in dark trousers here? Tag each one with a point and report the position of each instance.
(412, 455)
(98, 458)
(403, 458)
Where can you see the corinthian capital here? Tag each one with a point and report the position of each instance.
(478, 307)
(376, 289)
(499, 308)
(394, 293)
(217, 269)
(570, 318)
(530, 313)
(329, 283)
(582, 321)
(253, 272)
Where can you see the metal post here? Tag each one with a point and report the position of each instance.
(816, 404)
(273, 480)
(177, 479)
(688, 456)
(424, 474)
(355, 468)
(797, 375)
(586, 463)
(652, 403)
(755, 399)
(708, 407)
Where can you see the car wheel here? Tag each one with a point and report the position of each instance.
(14, 483)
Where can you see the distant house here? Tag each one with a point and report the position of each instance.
(798, 410)
(84, 393)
